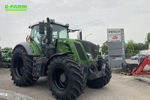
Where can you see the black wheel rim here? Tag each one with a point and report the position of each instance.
(18, 65)
(60, 78)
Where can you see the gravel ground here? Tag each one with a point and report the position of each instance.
(2, 99)
(121, 87)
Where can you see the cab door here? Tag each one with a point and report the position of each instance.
(39, 38)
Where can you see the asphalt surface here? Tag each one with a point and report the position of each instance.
(121, 87)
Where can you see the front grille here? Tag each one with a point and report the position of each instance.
(80, 51)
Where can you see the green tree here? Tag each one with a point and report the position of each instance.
(148, 37)
(132, 48)
(105, 48)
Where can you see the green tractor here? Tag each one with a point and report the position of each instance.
(5, 57)
(69, 64)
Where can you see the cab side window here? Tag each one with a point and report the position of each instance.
(35, 34)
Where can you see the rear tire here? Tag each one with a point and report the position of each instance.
(21, 69)
(74, 82)
(102, 81)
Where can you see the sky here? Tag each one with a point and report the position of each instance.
(92, 16)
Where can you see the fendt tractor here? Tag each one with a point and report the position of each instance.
(69, 64)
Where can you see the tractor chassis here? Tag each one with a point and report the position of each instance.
(40, 65)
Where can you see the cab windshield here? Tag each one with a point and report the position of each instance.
(59, 31)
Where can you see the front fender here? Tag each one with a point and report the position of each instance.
(26, 46)
(57, 55)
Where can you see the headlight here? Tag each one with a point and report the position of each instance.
(89, 56)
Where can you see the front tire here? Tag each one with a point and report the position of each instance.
(73, 83)
(21, 69)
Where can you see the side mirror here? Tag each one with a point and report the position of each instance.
(41, 27)
(79, 35)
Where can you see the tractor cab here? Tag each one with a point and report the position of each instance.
(50, 31)
(47, 34)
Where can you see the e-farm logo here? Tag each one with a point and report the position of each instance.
(16, 7)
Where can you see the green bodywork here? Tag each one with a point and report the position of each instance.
(6, 55)
(64, 46)
(35, 48)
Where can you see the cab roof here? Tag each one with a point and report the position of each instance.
(51, 21)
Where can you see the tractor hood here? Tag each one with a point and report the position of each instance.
(90, 47)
